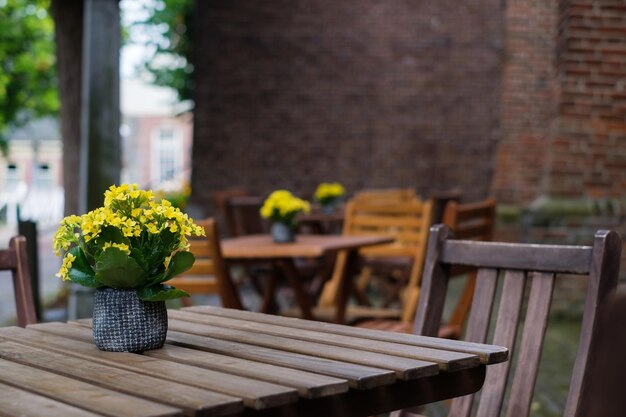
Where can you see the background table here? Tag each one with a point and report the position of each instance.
(220, 362)
(261, 247)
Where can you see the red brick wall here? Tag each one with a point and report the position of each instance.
(529, 99)
(564, 101)
(368, 93)
(590, 150)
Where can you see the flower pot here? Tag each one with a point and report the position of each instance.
(282, 233)
(328, 208)
(124, 323)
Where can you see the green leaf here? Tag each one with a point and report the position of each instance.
(180, 262)
(81, 272)
(114, 268)
(160, 292)
(112, 234)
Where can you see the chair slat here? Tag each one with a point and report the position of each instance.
(478, 323)
(506, 329)
(477, 326)
(532, 341)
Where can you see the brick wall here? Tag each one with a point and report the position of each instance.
(529, 99)
(369, 93)
(590, 150)
(564, 101)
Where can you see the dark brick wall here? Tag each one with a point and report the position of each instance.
(368, 93)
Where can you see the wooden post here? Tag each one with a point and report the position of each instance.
(100, 147)
(100, 161)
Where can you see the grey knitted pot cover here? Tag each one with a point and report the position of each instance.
(124, 323)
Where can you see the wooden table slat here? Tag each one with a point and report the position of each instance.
(191, 399)
(447, 360)
(358, 376)
(405, 368)
(255, 394)
(81, 394)
(488, 354)
(309, 385)
(20, 403)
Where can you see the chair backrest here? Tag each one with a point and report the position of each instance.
(244, 214)
(209, 273)
(514, 264)
(468, 221)
(221, 201)
(15, 259)
(385, 195)
(406, 221)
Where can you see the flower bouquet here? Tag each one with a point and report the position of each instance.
(282, 207)
(328, 194)
(127, 250)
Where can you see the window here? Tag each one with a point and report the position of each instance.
(167, 152)
(12, 176)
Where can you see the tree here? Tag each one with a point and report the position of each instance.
(27, 64)
(168, 30)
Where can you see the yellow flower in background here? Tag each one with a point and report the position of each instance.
(283, 206)
(327, 192)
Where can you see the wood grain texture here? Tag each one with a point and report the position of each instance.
(358, 376)
(526, 256)
(20, 403)
(191, 399)
(447, 360)
(405, 368)
(255, 394)
(505, 333)
(80, 394)
(487, 353)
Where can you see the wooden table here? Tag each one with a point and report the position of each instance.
(261, 247)
(221, 362)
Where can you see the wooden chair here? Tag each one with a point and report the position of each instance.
(222, 198)
(15, 259)
(514, 265)
(408, 222)
(209, 274)
(469, 221)
(606, 394)
(244, 217)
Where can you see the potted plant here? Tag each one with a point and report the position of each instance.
(328, 194)
(127, 250)
(281, 208)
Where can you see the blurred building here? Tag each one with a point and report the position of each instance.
(156, 143)
(156, 136)
(31, 174)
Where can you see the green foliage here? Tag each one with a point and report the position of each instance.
(169, 23)
(27, 63)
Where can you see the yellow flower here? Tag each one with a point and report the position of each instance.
(329, 190)
(121, 246)
(281, 205)
(65, 267)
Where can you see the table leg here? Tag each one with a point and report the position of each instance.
(294, 279)
(346, 285)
